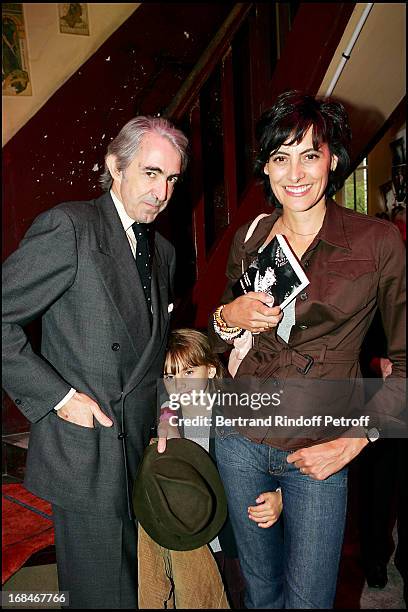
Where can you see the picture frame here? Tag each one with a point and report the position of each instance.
(388, 196)
(16, 78)
(399, 181)
(73, 18)
(398, 152)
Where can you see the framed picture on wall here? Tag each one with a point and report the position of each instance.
(73, 18)
(16, 79)
(399, 181)
(398, 152)
(388, 196)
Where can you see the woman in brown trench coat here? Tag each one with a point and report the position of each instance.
(355, 265)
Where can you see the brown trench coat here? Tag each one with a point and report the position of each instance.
(355, 264)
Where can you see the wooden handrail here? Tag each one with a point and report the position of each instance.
(207, 62)
(240, 90)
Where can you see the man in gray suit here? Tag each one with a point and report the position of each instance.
(100, 278)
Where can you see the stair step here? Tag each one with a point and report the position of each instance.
(14, 456)
(20, 439)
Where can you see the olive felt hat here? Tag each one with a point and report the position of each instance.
(178, 496)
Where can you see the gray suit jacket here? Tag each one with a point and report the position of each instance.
(75, 269)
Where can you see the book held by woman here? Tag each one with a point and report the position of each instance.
(275, 271)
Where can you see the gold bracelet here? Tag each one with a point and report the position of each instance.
(218, 318)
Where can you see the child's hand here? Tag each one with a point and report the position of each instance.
(165, 432)
(268, 510)
(381, 366)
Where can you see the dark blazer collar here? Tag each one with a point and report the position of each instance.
(119, 273)
(111, 231)
(117, 268)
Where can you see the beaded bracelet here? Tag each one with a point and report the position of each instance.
(221, 327)
(219, 319)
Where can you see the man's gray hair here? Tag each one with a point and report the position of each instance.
(126, 144)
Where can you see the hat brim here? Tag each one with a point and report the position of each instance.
(196, 456)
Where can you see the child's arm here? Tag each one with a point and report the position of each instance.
(268, 510)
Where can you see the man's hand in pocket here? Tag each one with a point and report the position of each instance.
(81, 410)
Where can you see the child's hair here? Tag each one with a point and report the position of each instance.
(190, 348)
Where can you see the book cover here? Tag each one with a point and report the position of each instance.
(275, 271)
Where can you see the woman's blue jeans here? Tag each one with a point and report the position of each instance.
(294, 563)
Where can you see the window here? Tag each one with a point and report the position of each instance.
(355, 189)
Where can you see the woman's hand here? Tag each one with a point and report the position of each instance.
(250, 312)
(322, 460)
(268, 510)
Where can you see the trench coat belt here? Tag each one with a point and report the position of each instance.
(304, 361)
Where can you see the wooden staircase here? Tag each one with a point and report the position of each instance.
(260, 50)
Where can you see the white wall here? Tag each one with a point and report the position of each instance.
(54, 57)
(374, 77)
(375, 74)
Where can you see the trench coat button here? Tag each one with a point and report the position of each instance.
(122, 435)
(303, 326)
(306, 263)
(115, 346)
(17, 401)
(303, 296)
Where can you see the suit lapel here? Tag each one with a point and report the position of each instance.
(159, 292)
(118, 270)
(160, 320)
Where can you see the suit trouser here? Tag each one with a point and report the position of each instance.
(96, 559)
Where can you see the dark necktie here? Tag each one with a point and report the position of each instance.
(144, 259)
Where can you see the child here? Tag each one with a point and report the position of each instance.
(191, 365)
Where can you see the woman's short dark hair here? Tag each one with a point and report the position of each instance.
(288, 120)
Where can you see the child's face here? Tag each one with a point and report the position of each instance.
(188, 378)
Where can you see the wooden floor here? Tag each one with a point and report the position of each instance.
(44, 578)
(352, 591)
(39, 578)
